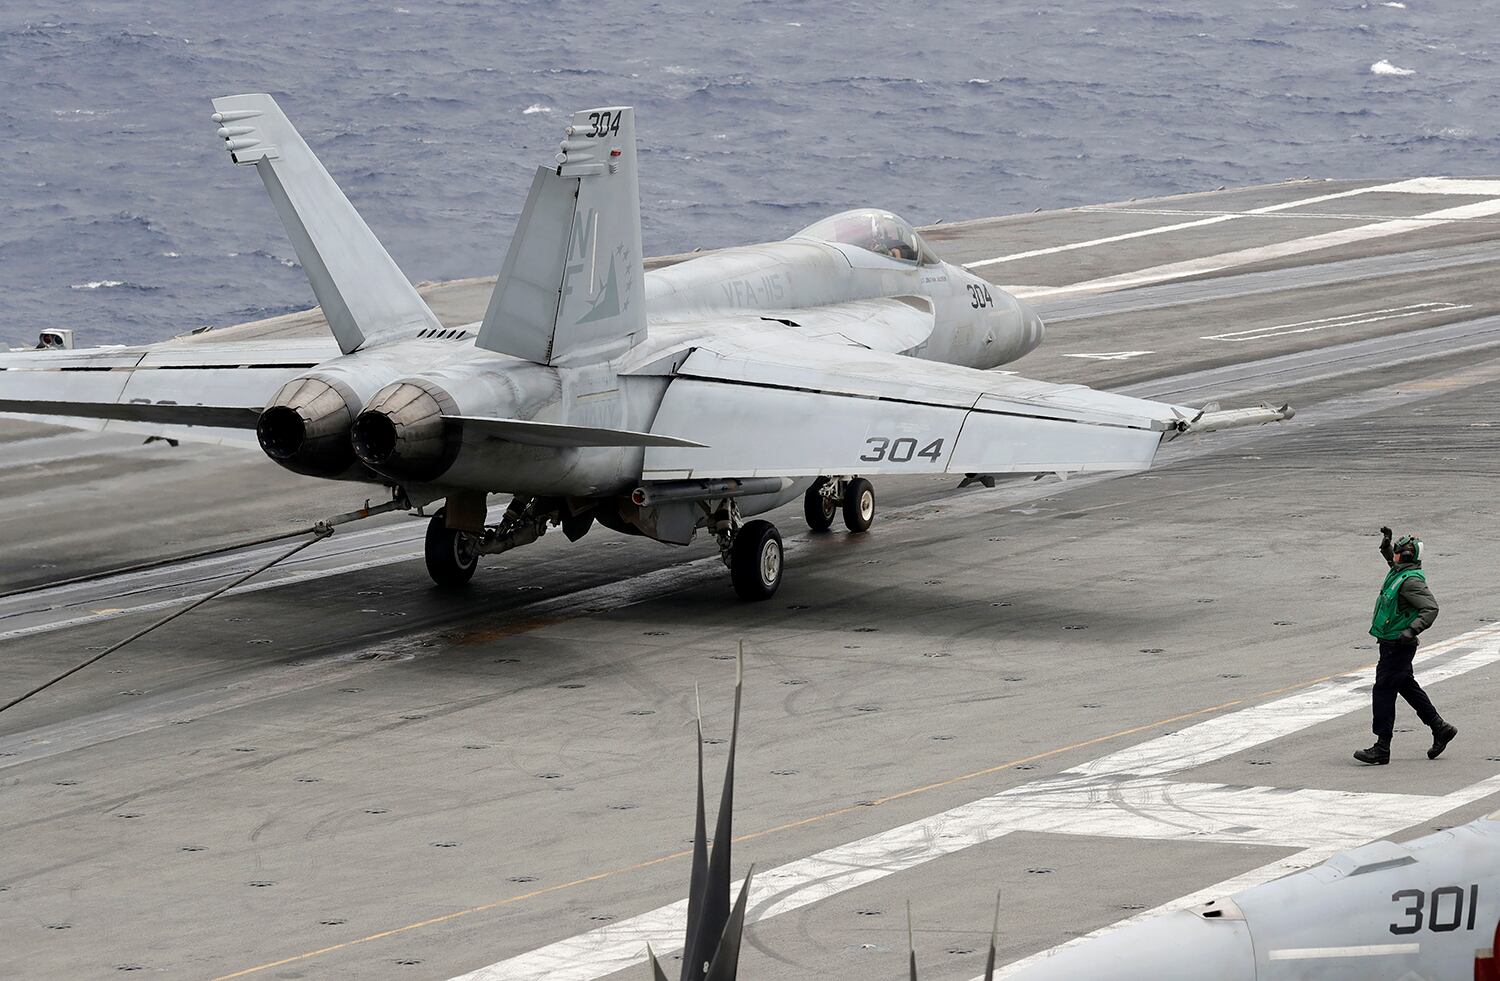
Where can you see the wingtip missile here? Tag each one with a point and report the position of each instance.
(1212, 419)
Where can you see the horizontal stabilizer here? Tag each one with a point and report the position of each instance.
(362, 291)
(203, 389)
(221, 417)
(558, 434)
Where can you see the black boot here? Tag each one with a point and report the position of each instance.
(1377, 755)
(1442, 735)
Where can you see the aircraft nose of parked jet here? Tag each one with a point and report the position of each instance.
(1033, 329)
(1180, 946)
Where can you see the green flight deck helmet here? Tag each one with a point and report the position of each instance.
(1408, 544)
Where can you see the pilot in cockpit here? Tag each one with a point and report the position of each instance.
(888, 240)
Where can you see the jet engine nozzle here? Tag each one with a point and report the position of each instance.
(402, 433)
(305, 427)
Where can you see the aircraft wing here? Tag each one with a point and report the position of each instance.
(188, 389)
(780, 405)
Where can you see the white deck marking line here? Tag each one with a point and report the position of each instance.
(1346, 320)
(1320, 953)
(1417, 185)
(1163, 229)
(1448, 185)
(1111, 355)
(1262, 253)
(1226, 735)
(1318, 215)
(1087, 800)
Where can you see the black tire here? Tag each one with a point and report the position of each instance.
(818, 508)
(451, 555)
(859, 505)
(756, 560)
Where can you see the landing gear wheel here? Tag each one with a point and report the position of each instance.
(755, 560)
(452, 556)
(859, 505)
(818, 508)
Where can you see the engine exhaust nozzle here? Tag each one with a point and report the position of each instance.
(305, 427)
(403, 434)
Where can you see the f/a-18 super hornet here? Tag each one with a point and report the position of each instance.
(692, 397)
(1428, 910)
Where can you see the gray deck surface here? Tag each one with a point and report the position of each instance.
(343, 773)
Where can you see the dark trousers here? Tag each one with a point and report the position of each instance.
(1393, 676)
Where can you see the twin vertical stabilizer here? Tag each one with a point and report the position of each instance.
(359, 286)
(572, 289)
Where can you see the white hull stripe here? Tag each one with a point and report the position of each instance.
(1321, 953)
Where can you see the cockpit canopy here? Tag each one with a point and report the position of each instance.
(876, 231)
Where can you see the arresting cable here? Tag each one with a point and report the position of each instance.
(321, 530)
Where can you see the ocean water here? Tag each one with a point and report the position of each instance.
(121, 216)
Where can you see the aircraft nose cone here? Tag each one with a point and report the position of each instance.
(1180, 946)
(1034, 329)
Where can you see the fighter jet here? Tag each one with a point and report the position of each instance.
(1428, 910)
(689, 398)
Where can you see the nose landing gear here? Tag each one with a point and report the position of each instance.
(828, 495)
(820, 505)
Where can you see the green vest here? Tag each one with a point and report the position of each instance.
(1389, 618)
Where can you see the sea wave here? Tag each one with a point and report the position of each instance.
(113, 284)
(1383, 67)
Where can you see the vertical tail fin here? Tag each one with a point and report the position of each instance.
(360, 288)
(573, 284)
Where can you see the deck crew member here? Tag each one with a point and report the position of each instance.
(1404, 608)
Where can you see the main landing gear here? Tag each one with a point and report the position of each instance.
(453, 555)
(830, 495)
(751, 549)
